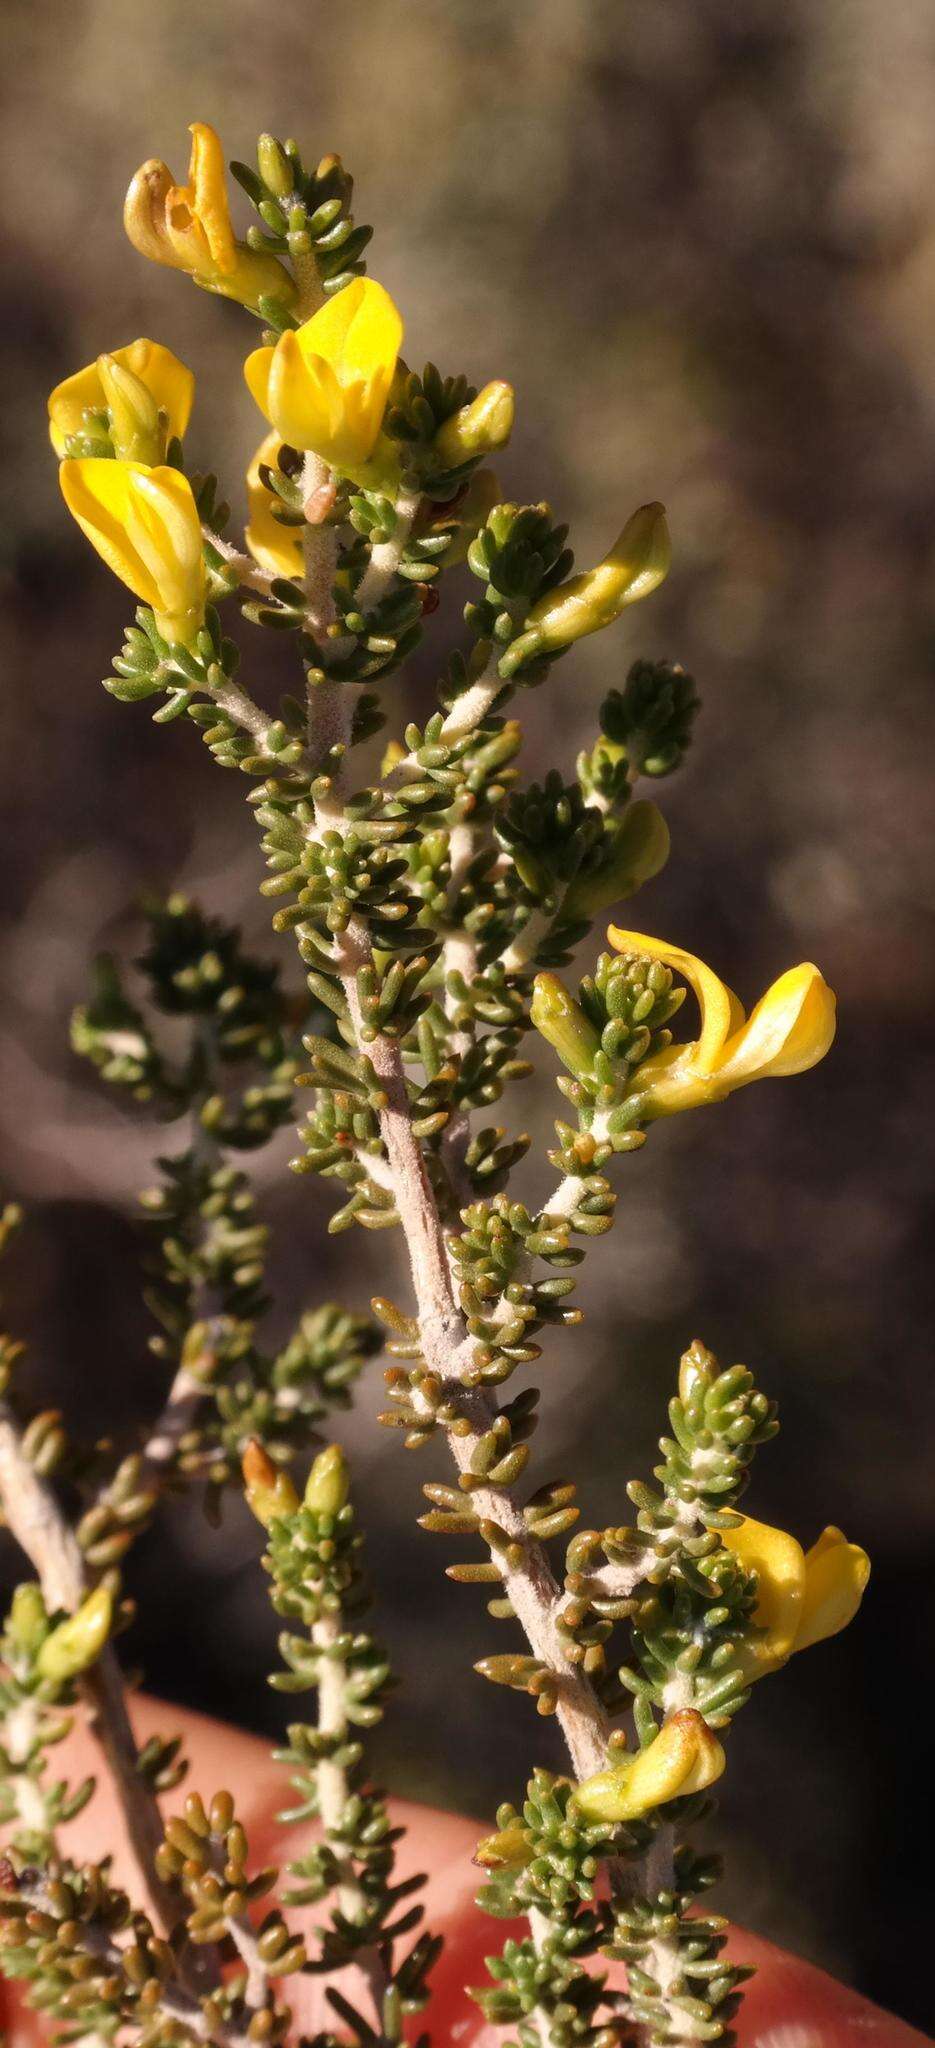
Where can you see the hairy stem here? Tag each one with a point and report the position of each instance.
(530, 1586)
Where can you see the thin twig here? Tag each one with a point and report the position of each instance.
(35, 1519)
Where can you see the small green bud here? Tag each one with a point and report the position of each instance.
(640, 850)
(698, 1370)
(329, 1482)
(77, 1642)
(270, 1493)
(135, 426)
(275, 168)
(478, 428)
(27, 1621)
(563, 1023)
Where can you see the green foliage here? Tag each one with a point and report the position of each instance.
(306, 214)
(317, 1581)
(680, 1985)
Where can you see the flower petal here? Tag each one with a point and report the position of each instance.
(790, 1029)
(256, 371)
(144, 524)
(836, 1575)
(170, 381)
(721, 1013)
(167, 379)
(358, 330)
(277, 548)
(779, 1563)
(209, 194)
(97, 492)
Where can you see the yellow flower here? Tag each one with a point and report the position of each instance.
(189, 228)
(277, 548)
(144, 524)
(136, 384)
(803, 1596)
(790, 1030)
(685, 1757)
(325, 385)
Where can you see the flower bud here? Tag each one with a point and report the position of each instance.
(27, 1621)
(75, 1644)
(636, 565)
(478, 428)
(269, 1491)
(329, 1482)
(685, 1757)
(135, 426)
(275, 168)
(640, 850)
(509, 1849)
(563, 1024)
(698, 1370)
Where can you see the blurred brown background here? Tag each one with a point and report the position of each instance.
(700, 239)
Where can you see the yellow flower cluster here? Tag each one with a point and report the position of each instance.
(135, 509)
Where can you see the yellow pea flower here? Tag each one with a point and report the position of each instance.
(802, 1596)
(790, 1030)
(685, 1757)
(189, 228)
(144, 524)
(147, 391)
(637, 563)
(277, 548)
(325, 385)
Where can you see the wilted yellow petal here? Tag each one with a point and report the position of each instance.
(73, 1646)
(779, 1563)
(188, 227)
(836, 1575)
(685, 1757)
